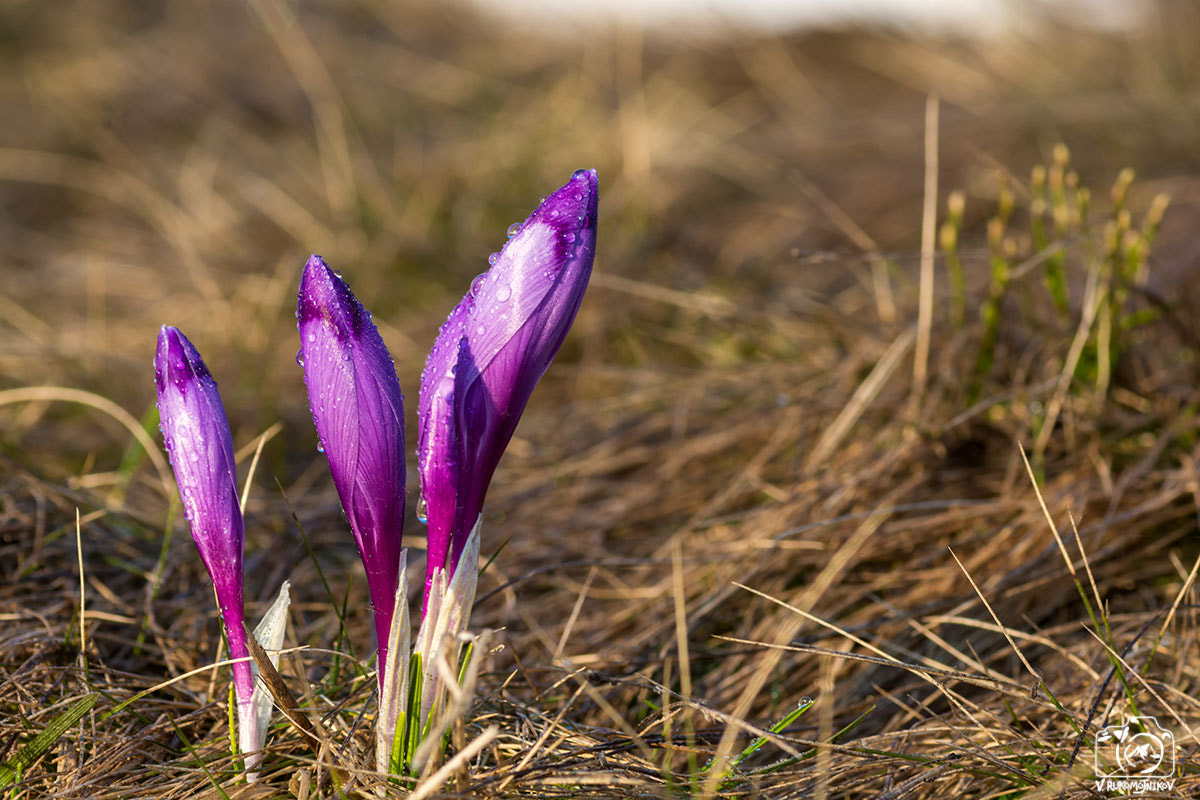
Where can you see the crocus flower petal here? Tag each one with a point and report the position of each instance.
(503, 334)
(438, 437)
(200, 446)
(358, 411)
(528, 301)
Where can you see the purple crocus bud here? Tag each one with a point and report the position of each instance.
(359, 415)
(198, 441)
(489, 355)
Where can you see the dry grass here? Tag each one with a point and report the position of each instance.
(726, 495)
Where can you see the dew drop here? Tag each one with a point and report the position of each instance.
(579, 174)
(514, 229)
(422, 511)
(337, 273)
(476, 285)
(569, 236)
(553, 213)
(300, 356)
(493, 258)
(503, 293)
(320, 446)
(480, 330)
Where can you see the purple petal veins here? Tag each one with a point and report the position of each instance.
(200, 446)
(358, 411)
(491, 352)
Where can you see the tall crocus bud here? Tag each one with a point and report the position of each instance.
(489, 355)
(198, 441)
(359, 414)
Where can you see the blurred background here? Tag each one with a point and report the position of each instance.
(176, 162)
(762, 170)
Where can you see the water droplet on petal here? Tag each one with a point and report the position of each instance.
(300, 356)
(337, 273)
(493, 258)
(569, 236)
(503, 293)
(514, 229)
(579, 174)
(422, 511)
(320, 446)
(480, 330)
(476, 287)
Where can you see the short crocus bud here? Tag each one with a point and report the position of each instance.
(491, 352)
(199, 443)
(359, 415)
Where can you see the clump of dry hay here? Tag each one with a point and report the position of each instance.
(735, 406)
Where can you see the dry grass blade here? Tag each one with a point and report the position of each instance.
(64, 394)
(865, 394)
(928, 228)
(434, 782)
(285, 701)
(732, 407)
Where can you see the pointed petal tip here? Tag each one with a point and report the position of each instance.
(324, 294)
(573, 205)
(168, 335)
(177, 361)
(316, 271)
(315, 285)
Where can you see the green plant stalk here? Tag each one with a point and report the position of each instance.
(781, 725)
(990, 315)
(232, 719)
(837, 737)
(1055, 280)
(191, 750)
(464, 662)
(955, 273)
(412, 721)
